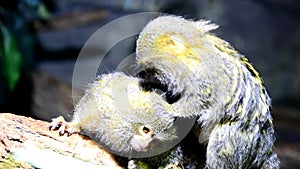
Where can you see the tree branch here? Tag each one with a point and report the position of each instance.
(27, 143)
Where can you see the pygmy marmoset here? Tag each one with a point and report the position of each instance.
(117, 113)
(217, 84)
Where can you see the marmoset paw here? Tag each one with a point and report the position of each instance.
(62, 126)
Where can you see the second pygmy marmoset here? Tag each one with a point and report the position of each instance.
(215, 83)
(117, 113)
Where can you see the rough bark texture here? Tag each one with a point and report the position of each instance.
(23, 133)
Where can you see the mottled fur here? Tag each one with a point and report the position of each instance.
(218, 85)
(117, 113)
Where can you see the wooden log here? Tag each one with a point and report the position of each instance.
(27, 143)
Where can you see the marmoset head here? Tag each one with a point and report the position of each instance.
(175, 47)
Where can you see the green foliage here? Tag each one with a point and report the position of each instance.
(36, 8)
(42, 11)
(16, 41)
(11, 57)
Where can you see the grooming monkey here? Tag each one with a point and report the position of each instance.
(216, 84)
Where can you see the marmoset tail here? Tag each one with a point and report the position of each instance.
(217, 84)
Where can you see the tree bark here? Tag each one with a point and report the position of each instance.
(26, 142)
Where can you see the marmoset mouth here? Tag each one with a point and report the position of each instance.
(150, 83)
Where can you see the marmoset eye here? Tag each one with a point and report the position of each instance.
(146, 130)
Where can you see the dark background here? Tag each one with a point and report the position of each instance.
(48, 36)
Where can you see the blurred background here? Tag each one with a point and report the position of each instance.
(40, 41)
